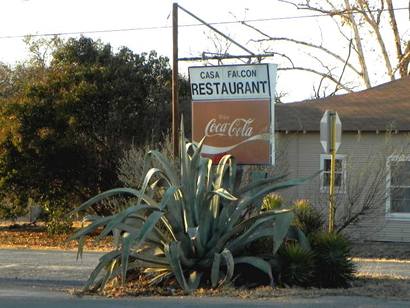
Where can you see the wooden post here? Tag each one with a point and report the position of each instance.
(175, 102)
(332, 124)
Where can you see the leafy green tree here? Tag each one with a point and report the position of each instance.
(67, 119)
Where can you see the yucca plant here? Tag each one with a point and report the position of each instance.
(190, 224)
(333, 268)
(307, 218)
(272, 202)
(297, 264)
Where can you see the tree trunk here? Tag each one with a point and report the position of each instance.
(358, 43)
(395, 29)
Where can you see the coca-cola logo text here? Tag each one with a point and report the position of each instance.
(237, 128)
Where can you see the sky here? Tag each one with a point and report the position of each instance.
(22, 17)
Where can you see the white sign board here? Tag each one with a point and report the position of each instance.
(231, 82)
(326, 133)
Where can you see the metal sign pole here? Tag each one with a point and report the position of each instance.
(331, 138)
(175, 103)
(332, 118)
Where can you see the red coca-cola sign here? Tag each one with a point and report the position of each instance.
(232, 106)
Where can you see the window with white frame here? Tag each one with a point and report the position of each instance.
(340, 172)
(398, 186)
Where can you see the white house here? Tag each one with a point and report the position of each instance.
(373, 161)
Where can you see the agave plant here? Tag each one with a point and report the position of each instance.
(189, 223)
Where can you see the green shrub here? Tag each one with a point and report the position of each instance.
(57, 221)
(297, 265)
(307, 218)
(334, 267)
(190, 225)
(11, 207)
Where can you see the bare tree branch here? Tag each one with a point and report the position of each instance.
(308, 6)
(353, 19)
(290, 2)
(307, 69)
(405, 61)
(344, 68)
(307, 44)
(281, 55)
(317, 91)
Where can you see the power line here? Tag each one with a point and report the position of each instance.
(180, 26)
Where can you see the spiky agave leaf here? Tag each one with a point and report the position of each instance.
(110, 193)
(173, 253)
(231, 236)
(258, 263)
(246, 200)
(215, 270)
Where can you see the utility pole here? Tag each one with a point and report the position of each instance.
(175, 101)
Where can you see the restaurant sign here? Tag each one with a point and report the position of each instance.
(232, 106)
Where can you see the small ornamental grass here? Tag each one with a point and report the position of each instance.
(190, 225)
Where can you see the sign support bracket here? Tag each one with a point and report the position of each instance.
(175, 97)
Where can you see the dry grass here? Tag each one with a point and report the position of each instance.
(381, 260)
(377, 286)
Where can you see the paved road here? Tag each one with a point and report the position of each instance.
(44, 266)
(62, 267)
(41, 279)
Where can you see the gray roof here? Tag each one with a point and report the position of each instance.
(381, 108)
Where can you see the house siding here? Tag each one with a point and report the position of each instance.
(366, 154)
